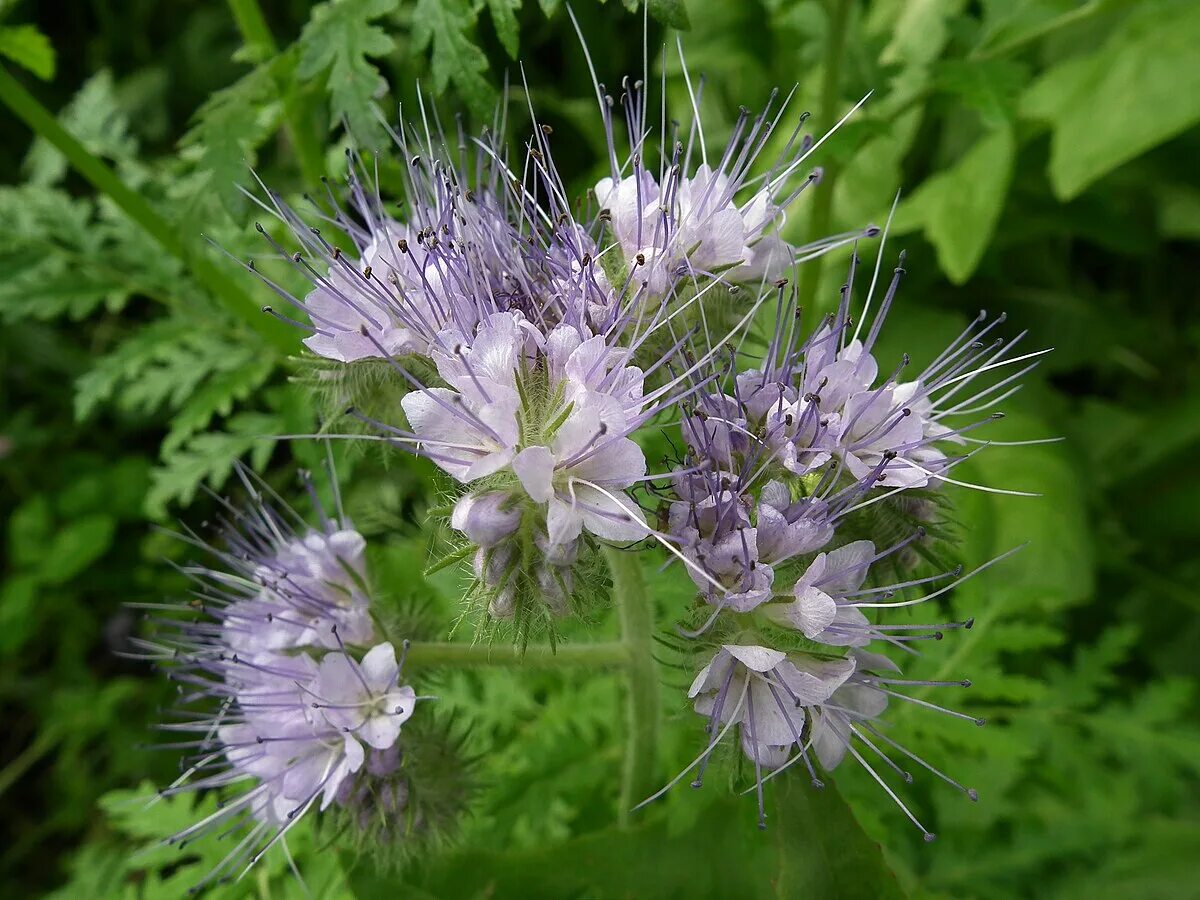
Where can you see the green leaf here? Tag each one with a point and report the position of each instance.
(96, 118)
(990, 87)
(443, 27)
(1139, 89)
(1179, 212)
(504, 20)
(231, 125)
(28, 47)
(339, 41)
(218, 393)
(960, 206)
(209, 458)
(724, 856)
(76, 546)
(823, 852)
(671, 13)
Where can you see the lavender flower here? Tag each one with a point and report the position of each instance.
(531, 339)
(284, 689)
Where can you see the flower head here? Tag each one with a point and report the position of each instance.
(284, 688)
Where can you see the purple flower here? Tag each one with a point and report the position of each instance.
(364, 698)
(280, 688)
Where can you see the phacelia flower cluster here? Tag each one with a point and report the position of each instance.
(784, 459)
(290, 700)
(532, 343)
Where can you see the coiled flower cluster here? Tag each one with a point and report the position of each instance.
(533, 344)
(285, 687)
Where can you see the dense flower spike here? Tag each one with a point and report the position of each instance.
(284, 684)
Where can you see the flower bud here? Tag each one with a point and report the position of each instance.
(486, 519)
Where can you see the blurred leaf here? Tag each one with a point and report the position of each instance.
(28, 47)
(1136, 91)
(959, 207)
(1179, 211)
(990, 87)
(76, 546)
(672, 13)
(823, 852)
(722, 857)
(97, 120)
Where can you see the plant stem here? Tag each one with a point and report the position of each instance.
(607, 653)
(831, 83)
(252, 25)
(636, 615)
(104, 179)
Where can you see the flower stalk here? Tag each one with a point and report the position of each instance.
(636, 616)
(606, 653)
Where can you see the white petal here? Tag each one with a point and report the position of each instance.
(612, 520)
(813, 611)
(758, 659)
(617, 463)
(563, 524)
(846, 567)
(535, 469)
(379, 667)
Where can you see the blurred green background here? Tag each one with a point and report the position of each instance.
(1049, 160)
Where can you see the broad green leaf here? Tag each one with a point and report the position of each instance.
(990, 87)
(959, 207)
(1139, 89)
(724, 856)
(823, 852)
(28, 47)
(1179, 212)
(339, 41)
(920, 32)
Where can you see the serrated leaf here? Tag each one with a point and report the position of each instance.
(209, 458)
(97, 120)
(29, 48)
(1139, 89)
(504, 20)
(444, 28)
(339, 41)
(127, 362)
(217, 395)
(231, 125)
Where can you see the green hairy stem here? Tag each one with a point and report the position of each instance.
(636, 614)
(606, 653)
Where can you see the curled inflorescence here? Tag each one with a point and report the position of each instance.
(527, 344)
